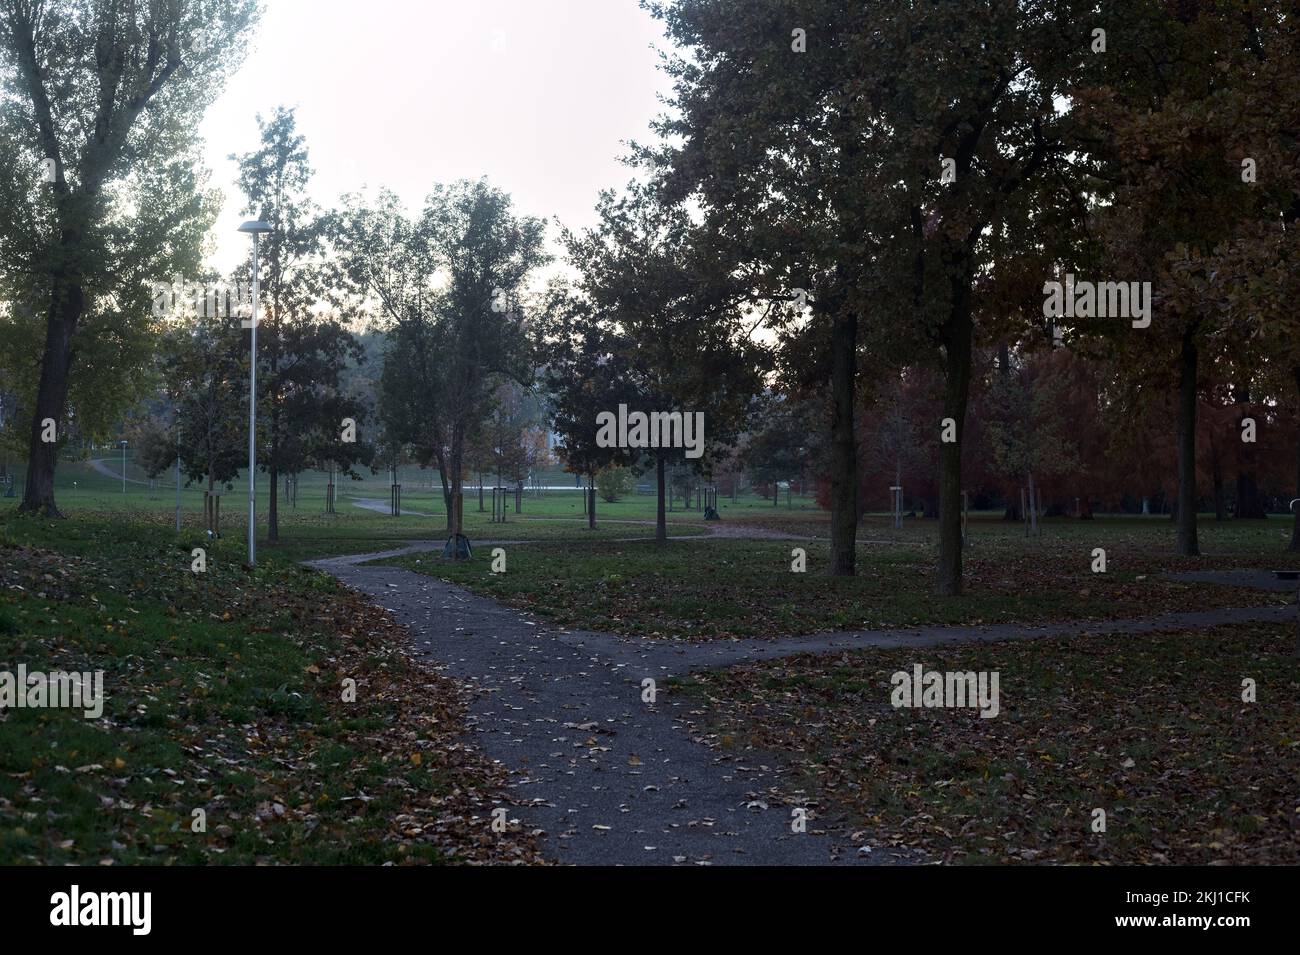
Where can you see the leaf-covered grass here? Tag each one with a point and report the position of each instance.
(223, 693)
(1151, 729)
(720, 588)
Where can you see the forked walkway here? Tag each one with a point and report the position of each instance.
(612, 779)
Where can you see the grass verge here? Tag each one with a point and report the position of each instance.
(224, 693)
(724, 588)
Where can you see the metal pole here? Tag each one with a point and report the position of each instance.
(252, 426)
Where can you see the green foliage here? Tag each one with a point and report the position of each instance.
(674, 314)
(153, 439)
(1027, 424)
(613, 483)
(449, 287)
(206, 375)
(779, 449)
(110, 96)
(586, 371)
(302, 352)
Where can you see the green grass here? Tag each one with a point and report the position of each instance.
(222, 694)
(223, 687)
(722, 588)
(306, 531)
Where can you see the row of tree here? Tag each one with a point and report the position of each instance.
(850, 210)
(891, 185)
(454, 362)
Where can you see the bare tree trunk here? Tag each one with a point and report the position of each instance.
(956, 394)
(1250, 503)
(1216, 474)
(1012, 512)
(67, 302)
(273, 520)
(456, 460)
(1295, 521)
(661, 518)
(209, 506)
(273, 503)
(446, 488)
(844, 450)
(591, 494)
(1033, 503)
(1186, 515)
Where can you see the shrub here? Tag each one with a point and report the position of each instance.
(613, 483)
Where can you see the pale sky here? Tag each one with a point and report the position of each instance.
(537, 95)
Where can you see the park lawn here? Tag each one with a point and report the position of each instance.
(307, 532)
(309, 536)
(223, 693)
(724, 588)
(1152, 729)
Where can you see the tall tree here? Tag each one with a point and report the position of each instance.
(873, 151)
(1027, 427)
(450, 285)
(203, 365)
(1173, 129)
(95, 94)
(302, 351)
(584, 372)
(779, 449)
(649, 269)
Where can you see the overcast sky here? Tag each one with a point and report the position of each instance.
(537, 95)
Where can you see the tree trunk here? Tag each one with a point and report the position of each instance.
(1033, 503)
(956, 394)
(1186, 515)
(591, 507)
(1216, 473)
(272, 520)
(456, 461)
(1295, 521)
(844, 451)
(1250, 503)
(208, 506)
(661, 518)
(66, 305)
(446, 489)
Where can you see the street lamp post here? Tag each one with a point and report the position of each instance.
(255, 227)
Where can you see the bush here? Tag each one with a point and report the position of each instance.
(613, 483)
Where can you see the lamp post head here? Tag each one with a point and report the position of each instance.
(255, 226)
